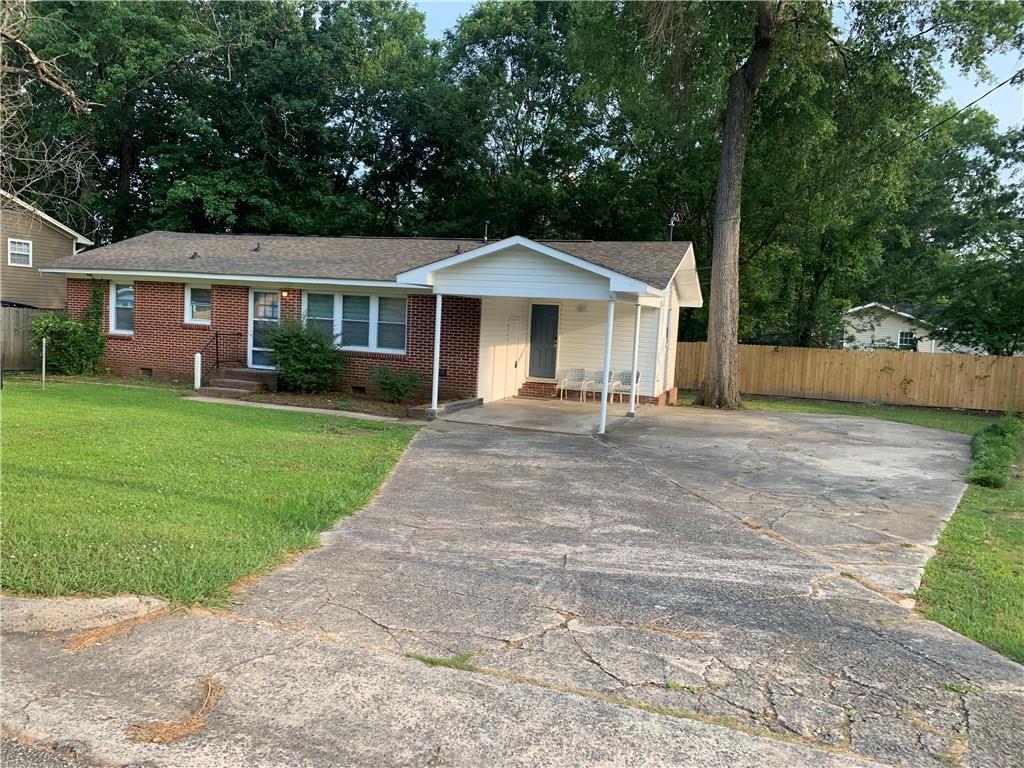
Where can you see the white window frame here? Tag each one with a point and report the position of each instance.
(19, 240)
(372, 346)
(112, 309)
(188, 304)
(899, 342)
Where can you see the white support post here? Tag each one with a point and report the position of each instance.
(437, 353)
(634, 384)
(607, 367)
(44, 362)
(197, 373)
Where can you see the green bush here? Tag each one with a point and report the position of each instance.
(995, 450)
(306, 358)
(395, 385)
(73, 347)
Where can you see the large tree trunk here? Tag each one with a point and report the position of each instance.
(721, 371)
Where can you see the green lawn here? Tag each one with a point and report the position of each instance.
(975, 582)
(110, 489)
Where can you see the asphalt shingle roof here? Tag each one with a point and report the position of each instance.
(345, 258)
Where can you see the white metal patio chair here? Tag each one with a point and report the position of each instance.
(597, 381)
(623, 383)
(574, 379)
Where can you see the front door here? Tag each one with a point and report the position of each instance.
(543, 340)
(266, 314)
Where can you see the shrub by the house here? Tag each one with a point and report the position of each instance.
(73, 347)
(306, 358)
(396, 386)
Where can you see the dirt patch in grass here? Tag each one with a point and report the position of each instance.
(333, 401)
(172, 730)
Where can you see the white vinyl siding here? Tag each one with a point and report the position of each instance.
(504, 347)
(520, 272)
(581, 340)
(877, 328)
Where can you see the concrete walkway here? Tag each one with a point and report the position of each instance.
(301, 409)
(616, 608)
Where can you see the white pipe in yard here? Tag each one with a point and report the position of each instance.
(44, 362)
(437, 353)
(197, 375)
(602, 422)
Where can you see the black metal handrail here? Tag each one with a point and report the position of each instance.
(212, 355)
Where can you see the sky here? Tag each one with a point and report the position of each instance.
(1007, 103)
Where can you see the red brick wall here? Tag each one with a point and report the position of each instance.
(164, 343)
(460, 348)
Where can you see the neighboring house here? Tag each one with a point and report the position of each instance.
(880, 326)
(516, 314)
(31, 240)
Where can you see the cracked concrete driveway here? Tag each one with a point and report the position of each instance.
(618, 608)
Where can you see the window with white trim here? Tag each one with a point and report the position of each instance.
(359, 323)
(122, 307)
(198, 304)
(19, 252)
(320, 312)
(907, 341)
(391, 322)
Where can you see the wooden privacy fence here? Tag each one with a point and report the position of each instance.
(980, 382)
(16, 350)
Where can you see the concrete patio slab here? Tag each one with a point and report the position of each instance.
(567, 416)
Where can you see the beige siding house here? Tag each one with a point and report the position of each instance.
(879, 326)
(31, 240)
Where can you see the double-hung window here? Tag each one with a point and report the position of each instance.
(19, 253)
(907, 341)
(198, 304)
(122, 307)
(320, 312)
(391, 322)
(359, 323)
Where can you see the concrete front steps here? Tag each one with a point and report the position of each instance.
(239, 382)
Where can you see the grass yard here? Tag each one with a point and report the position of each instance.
(110, 489)
(975, 582)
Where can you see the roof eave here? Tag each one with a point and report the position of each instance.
(103, 273)
(78, 237)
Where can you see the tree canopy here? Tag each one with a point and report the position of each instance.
(562, 120)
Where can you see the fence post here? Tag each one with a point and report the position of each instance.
(44, 362)
(197, 376)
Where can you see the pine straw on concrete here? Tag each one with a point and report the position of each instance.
(172, 730)
(88, 639)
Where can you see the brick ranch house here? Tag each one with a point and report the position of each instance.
(516, 315)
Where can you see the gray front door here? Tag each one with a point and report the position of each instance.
(543, 340)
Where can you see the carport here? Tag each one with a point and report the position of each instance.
(552, 309)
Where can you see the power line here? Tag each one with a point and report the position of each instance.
(953, 116)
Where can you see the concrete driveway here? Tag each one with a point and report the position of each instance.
(672, 595)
